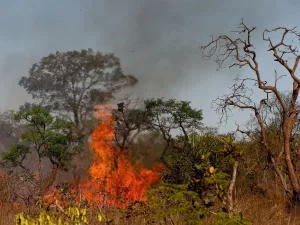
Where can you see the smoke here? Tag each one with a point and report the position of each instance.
(156, 40)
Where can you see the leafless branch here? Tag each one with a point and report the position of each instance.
(240, 52)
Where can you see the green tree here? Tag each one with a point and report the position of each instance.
(172, 116)
(163, 117)
(46, 137)
(73, 82)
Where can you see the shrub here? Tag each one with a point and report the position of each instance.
(72, 216)
(170, 201)
(226, 219)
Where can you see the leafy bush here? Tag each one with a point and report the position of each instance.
(209, 183)
(72, 216)
(226, 219)
(169, 201)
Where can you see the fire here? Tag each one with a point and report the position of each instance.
(114, 181)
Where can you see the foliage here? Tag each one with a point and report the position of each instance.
(162, 118)
(169, 201)
(49, 137)
(131, 120)
(73, 82)
(226, 219)
(72, 216)
(44, 138)
(231, 148)
(205, 143)
(16, 155)
(209, 183)
(167, 115)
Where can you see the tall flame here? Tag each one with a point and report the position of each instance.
(114, 181)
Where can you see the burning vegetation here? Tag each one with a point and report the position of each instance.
(113, 180)
(199, 175)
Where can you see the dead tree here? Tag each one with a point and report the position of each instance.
(241, 52)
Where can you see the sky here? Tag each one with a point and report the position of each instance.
(156, 40)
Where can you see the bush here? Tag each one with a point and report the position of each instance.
(173, 201)
(226, 219)
(72, 216)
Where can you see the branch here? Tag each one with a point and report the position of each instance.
(240, 51)
(288, 49)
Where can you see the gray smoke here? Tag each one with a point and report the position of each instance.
(157, 40)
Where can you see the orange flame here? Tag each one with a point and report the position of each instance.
(114, 181)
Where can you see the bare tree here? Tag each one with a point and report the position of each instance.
(242, 52)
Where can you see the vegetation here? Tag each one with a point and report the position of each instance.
(73, 82)
(72, 215)
(178, 171)
(241, 50)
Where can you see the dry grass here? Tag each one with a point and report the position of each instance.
(8, 214)
(259, 210)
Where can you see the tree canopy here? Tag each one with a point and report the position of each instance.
(73, 82)
(46, 137)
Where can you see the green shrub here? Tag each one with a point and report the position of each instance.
(226, 219)
(72, 216)
(170, 201)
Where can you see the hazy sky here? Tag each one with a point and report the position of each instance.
(156, 40)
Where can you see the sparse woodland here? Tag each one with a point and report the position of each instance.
(80, 156)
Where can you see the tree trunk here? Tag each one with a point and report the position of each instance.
(50, 180)
(287, 131)
(162, 157)
(76, 117)
(229, 203)
(40, 170)
(289, 164)
(77, 122)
